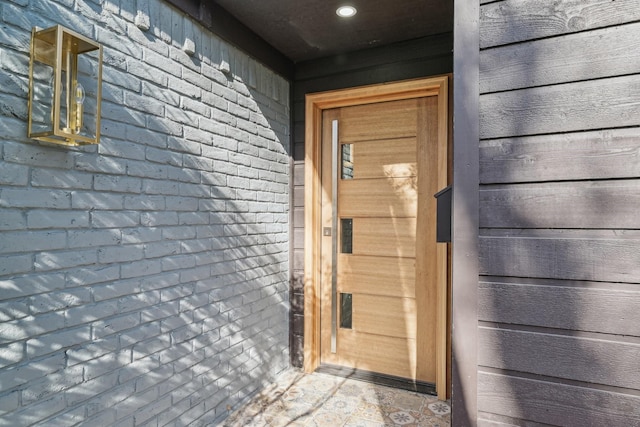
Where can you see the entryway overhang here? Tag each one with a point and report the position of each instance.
(291, 35)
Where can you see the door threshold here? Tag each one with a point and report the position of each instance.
(379, 379)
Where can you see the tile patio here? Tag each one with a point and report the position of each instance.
(323, 400)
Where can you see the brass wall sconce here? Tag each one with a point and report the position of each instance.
(65, 87)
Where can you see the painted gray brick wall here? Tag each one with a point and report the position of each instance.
(143, 281)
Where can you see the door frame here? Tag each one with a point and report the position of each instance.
(314, 105)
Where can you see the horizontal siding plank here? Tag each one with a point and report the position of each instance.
(596, 361)
(298, 238)
(298, 108)
(298, 152)
(561, 257)
(601, 53)
(591, 307)
(298, 260)
(512, 21)
(606, 154)
(596, 104)
(298, 173)
(556, 404)
(298, 196)
(600, 204)
(492, 420)
(298, 218)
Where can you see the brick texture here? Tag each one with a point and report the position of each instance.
(144, 281)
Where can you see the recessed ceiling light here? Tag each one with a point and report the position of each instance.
(346, 11)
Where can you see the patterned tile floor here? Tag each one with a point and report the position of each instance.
(322, 400)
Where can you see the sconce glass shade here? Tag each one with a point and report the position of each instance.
(65, 87)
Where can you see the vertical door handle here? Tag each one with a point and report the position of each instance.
(334, 239)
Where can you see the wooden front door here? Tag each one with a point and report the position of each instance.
(379, 271)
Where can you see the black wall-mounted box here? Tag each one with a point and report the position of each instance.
(443, 231)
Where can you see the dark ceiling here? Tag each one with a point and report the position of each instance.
(310, 29)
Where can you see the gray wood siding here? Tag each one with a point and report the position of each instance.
(407, 60)
(602, 154)
(592, 204)
(594, 104)
(603, 53)
(559, 292)
(616, 365)
(557, 404)
(511, 21)
(604, 307)
(561, 254)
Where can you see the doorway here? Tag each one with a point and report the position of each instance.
(375, 278)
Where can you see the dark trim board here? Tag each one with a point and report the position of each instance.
(373, 63)
(380, 379)
(465, 217)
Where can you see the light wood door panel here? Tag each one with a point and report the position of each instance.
(387, 192)
(385, 120)
(391, 237)
(395, 158)
(375, 353)
(377, 275)
(426, 266)
(405, 144)
(383, 315)
(378, 197)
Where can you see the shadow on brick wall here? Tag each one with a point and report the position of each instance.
(144, 280)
